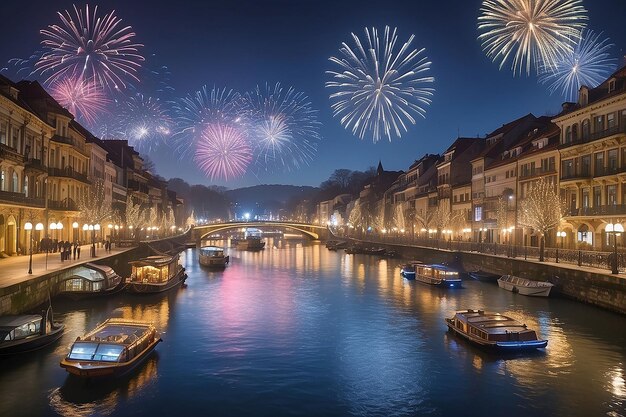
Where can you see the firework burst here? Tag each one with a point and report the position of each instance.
(84, 99)
(589, 64)
(379, 88)
(92, 47)
(223, 152)
(283, 127)
(144, 122)
(195, 112)
(530, 33)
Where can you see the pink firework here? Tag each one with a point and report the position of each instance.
(91, 47)
(223, 152)
(84, 99)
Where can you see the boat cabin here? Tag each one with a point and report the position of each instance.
(21, 327)
(436, 274)
(90, 278)
(492, 327)
(212, 251)
(155, 269)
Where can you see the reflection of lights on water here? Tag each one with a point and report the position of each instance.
(616, 382)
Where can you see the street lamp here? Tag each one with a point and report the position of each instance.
(29, 228)
(39, 227)
(615, 229)
(560, 234)
(75, 232)
(60, 227)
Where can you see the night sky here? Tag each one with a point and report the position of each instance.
(239, 44)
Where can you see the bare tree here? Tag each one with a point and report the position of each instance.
(93, 205)
(542, 210)
(134, 216)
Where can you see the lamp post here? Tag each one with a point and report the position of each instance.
(615, 229)
(29, 228)
(560, 234)
(75, 231)
(39, 227)
(60, 228)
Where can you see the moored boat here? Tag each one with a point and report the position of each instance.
(494, 331)
(408, 271)
(155, 274)
(213, 257)
(112, 349)
(525, 286)
(251, 243)
(23, 333)
(90, 280)
(437, 275)
(481, 275)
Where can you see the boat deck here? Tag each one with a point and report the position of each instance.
(123, 334)
(494, 323)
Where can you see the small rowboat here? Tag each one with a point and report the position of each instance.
(525, 286)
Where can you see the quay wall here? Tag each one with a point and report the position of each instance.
(593, 287)
(27, 295)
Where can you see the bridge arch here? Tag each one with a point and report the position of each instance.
(204, 231)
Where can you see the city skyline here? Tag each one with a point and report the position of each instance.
(472, 96)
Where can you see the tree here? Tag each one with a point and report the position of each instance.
(134, 216)
(93, 205)
(341, 177)
(542, 210)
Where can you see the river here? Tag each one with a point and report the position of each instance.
(299, 330)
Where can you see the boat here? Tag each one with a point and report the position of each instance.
(251, 243)
(391, 254)
(23, 333)
(437, 275)
(112, 349)
(213, 257)
(408, 271)
(88, 280)
(481, 275)
(525, 286)
(155, 273)
(494, 331)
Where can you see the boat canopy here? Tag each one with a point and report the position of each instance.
(19, 327)
(212, 251)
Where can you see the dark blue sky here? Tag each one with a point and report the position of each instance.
(239, 44)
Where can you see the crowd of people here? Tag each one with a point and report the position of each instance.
(67, 249)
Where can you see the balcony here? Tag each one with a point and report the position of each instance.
(576, 175)
(69, 141)
(596, 135)
(20, 199)
(609, 210)
(68, 172)
(534, 172)
(65, 205)
(35, 165)
(7, 152)
(137, 186)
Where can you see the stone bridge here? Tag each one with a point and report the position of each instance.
(315, 232)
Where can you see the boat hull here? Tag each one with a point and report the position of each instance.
(540, 291)
(107, 370)
(408, 275)
(148, 288)
(213, 262)
(31, 343)
(502, 347)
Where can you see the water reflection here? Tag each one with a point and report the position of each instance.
(78, 397)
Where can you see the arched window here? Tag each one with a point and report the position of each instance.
(26, 186)
(15, 184)
(568, 134)
(575, 132)
(586, 131)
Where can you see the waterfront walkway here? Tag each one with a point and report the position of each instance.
(14, 270)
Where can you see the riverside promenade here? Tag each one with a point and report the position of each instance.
(14, 270)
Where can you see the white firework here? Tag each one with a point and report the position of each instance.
(530, 33)
(588, 64)
(378, 88)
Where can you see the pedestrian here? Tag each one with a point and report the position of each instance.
(78, 251)
(75, 246)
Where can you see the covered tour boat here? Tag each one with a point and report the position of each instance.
(213, 256)
(437, 275)
(525, 286)
(112, 349)
(408, 271)
(494, 331)
(155, 274)
(24, 333)
(89, 280)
